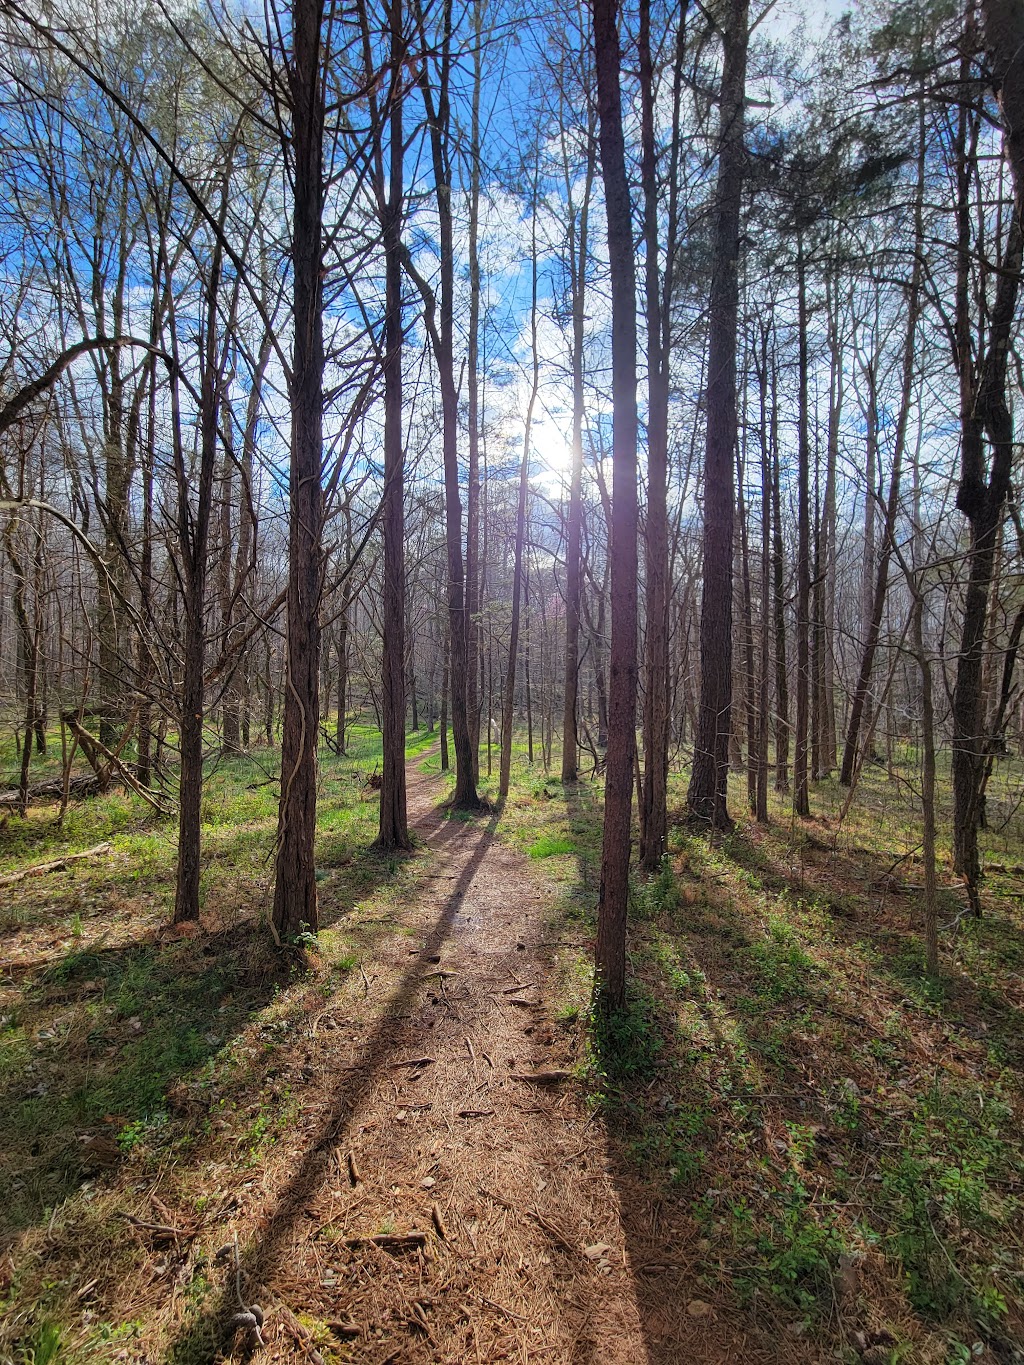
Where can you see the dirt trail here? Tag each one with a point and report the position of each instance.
(536, 1247)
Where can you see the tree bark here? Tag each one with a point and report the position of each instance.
(610, 951)
(393, 830)
(779, 604)
(874, 623)
(658, 297)
(295, 900)
(984, 413)
(509, 698)
(473, 671)
(707, 796)
(801, 799)
(578, 244)
(193, 538)
(443, 341)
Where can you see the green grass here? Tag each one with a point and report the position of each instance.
(785, 1077)
(102, 1021)
(783, 1048)
(550, 846)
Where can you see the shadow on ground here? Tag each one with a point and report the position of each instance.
(771, 1005)
(209, 1329)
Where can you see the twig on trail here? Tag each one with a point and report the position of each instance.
(366, 984)
(164, 1228)
(901, 859)
(519, 986)
(487, 1060)
(489, 1194)
(436, 1219)
(489, 1303)
(55, 864)
(466, 1312)
(318, 1021)
(954, 923)
(419, 1319)
(475, 1113)
(341, 1328)
(390, 1241)
(353, 1170)
(541, 1077)
(414, 1061)
(554, 1233)
(302, 1335)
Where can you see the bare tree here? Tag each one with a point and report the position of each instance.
(707, 793)
(295, 902)
(610, 950)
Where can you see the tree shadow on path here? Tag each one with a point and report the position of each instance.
(211, 1329)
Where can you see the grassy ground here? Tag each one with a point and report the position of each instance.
(842, 1134)
(108, 1023)
(837, 1138)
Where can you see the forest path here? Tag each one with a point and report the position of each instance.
(537, 1244)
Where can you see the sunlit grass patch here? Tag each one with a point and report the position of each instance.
(550, 846)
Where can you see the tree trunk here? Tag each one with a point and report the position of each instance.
(984, 411)
(473, 671)
(508, 707)
(747, 616)
(578, 247)
(235, 697)
(658, 295)
(779, 606)
(974, 500)
(295, 901)
(761, 793)
(193, 538)
(610, 950)
(835, 408)
(28, 653)
(443, 341)
(445, 672)
(931, 932)
(801, 800)
(393, 830)
(144, 659)
(874, 624)
(707, 794)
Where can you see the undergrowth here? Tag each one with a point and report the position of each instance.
(834, 1137)
(843, 1131)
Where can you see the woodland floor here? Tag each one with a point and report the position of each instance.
(776, 1158)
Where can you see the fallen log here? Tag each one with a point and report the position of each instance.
(55, 864)
(82, 785)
